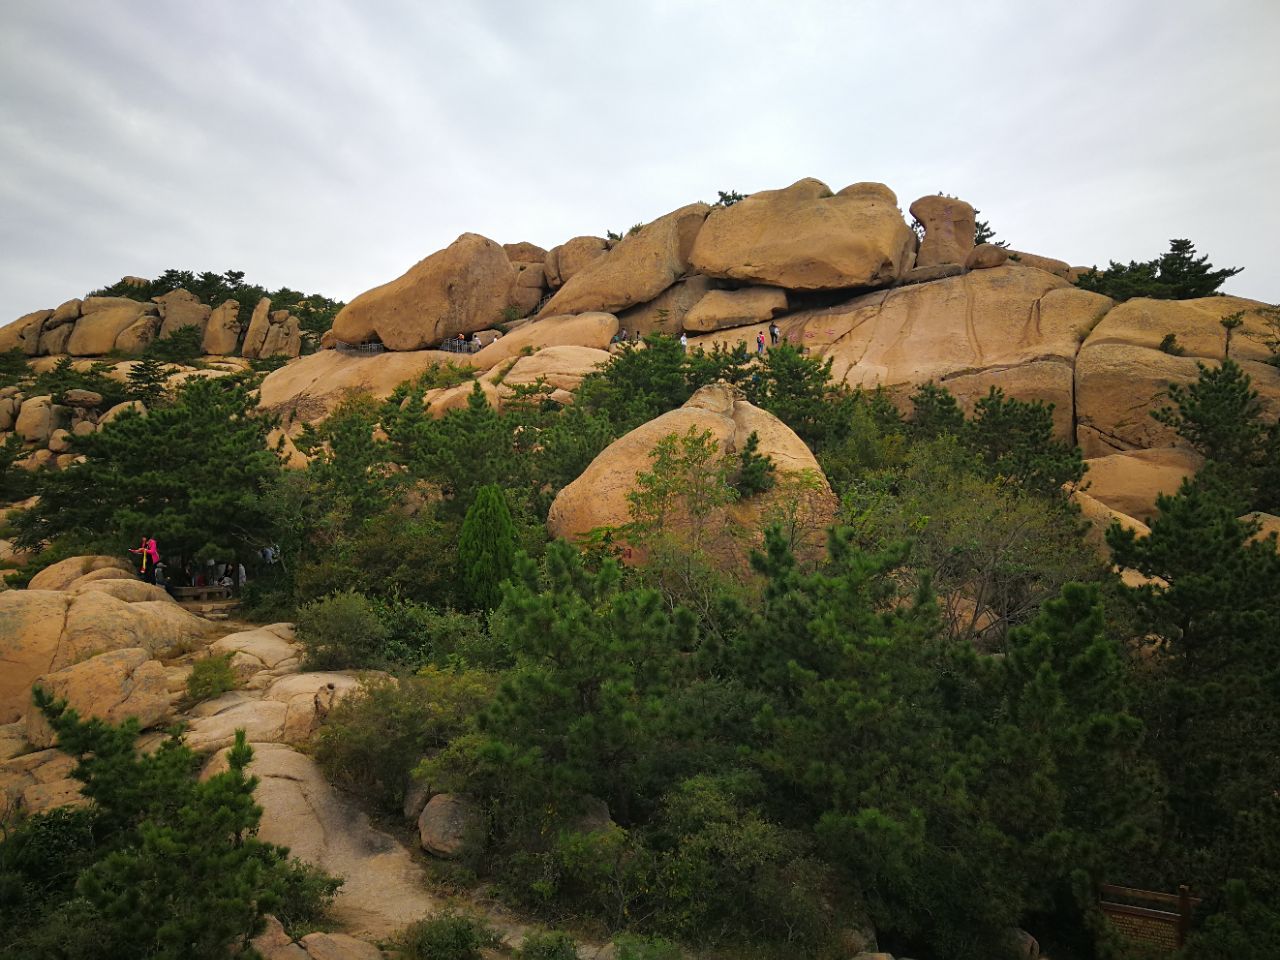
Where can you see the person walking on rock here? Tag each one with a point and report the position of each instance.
(760, 343)
(684, 342)
(774, 333)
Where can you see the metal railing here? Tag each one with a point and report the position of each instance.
(359, 347)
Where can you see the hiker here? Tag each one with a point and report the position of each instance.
(150, 556)
(760, 342)
(774, 333)
(684, 342)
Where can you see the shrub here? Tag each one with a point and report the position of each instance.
(372, 740)
(549, 946)
(209, 678)
(1169, 344)
(631, 947)
(447, 937)
(341, 631)
(181, 346)
(418, 634)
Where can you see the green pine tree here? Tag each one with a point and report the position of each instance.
(934, 412)
(486, 548)
(756, 473)
(147, 381)
(1015, 440)
(1176, 275)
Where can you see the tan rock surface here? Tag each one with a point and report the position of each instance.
(1100, 517)
(460, 289)
(259, 322)
(720, 309)
(54, 342)
(948, 230)
(384, 887)
(222, 332)
(1059, 268)
(127, 589)
(181, 308)
(139, 335)
(24, 333)
(564, 262)
(559, 367)
(665, 313)
(636, 270)
(111, 686)
(1268, 524)
(39, 417)
(524, 252)
(311, 388)
(985, 256)
(805, 238)
(30, 630)
(446, 823)
(66, 313)
(1130, 482)
(60, 575)
(581, 330)
(96, 331)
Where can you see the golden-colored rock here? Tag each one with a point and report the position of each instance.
(181, 308)
(1100, 517)
(1059, 268)
(948, 230)
(806, 238)
(111, 686)
(559, 367)
(61, 575)
(96, 331)
(721, 309)
(564, 262)
(460, 289)
(665, 313)
(577, 330)
(636, 270)
(222, 332)
(259, 323)
(1130, 482)
(985, 256)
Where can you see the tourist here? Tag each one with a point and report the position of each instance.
(684, 342)
(760, 342)
(150, 556)
(774, 333)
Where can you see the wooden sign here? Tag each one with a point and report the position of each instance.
(1143, 916)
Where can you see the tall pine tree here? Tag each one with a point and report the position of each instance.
(486, 548)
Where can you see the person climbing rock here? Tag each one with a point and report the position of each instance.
(149, 557)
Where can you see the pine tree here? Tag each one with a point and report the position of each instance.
(486, 548)
(147, 381)
(934, 412)
(1176, 275)
(756, 473)
(1015, 440)
(1219, 415)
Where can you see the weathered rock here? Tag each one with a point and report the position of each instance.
(720, 309)
(82, 398)
(308, 698)
(54, 341)
(60, 575)
(96, 331)
(24, 333)
(599, 497)
(111, 686)
(313, 387)
(39, 417)
(985, 256)
(135, 338)
(1130, 482)
(269, 648)
(82, 428)
(9, 407)
(383, 890)
(524, 252)
(806, 238)
(636, 270)
(181, 308)
(338, 946)
(446, 825)
(559, 367)
(1059, 268)
(36, 782)
(1122, 375)
(60, 441)
(283, 339)
(1100, 517)
(582, 330)
(259, 322)
(928, 274)
(1268, 525)
(460, 289)
(564, 262)
(665, 313)
(440, 402)
(66, 313)
(124, 588)
(120, 409)
(222, 332)
(948, 230)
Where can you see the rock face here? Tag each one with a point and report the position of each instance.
(259, 322)
(102, 320)
(559, 367)
(383, 890)
(61, 575)
(460, 289)
(1130, 482)
(948, 230)
(24, 333)
(665, 313)
(1122, 374)
(735, 308)
(43, 631)
(564, 262)
(445, 823)
(39, 418)
(598, 498)
(806, 238)
(111, 686)
(593, 330)
(1015, 329)
(222, 332)
(636, 270)
(985, 256)
(181, 308)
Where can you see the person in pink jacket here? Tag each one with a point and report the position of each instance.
(150, 556)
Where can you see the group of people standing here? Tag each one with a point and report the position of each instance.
(213, 573)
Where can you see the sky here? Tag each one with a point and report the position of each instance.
(328, 145)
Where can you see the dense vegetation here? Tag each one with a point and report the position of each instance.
(315, 312)
(953, 721)
(1176, 275)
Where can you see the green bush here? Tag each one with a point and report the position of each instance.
(181, 346)
(372, 741)
(447, 937)
(631, 947)
(340, 632)
(549, 946)
(209, 678)
(418, 634)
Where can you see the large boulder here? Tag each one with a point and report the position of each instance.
(721, 309)
(103, 319)
(636, 270)
(61, 575)
(446, 824)
(222, 332)
(181, 308)
(383, 889)
(24, 333)
(665, 313)
(68, 312)
(1123, 375)
(460, 289)
(594, 330)
(949, 226)
(1130, 482)
(599, 497)
(564, 262)
(135, 338)
(1015, 329)
(111, 686)
(558, 367)
(39, 418)
(284, 336)
(256, 335)
(807, 238)
(1059, 268)
(311, 388)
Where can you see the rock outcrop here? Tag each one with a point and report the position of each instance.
(222, 331)
(181, 308)
(460, 289)
(719, 309)
(807, 238)
(948, 230)
(111, 686)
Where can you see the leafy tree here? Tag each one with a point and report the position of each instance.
(486, 548)
(191, 474)
(1176, 275)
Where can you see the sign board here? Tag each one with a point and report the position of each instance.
(1158, 920)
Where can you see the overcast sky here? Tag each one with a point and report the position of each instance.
(328, 145)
